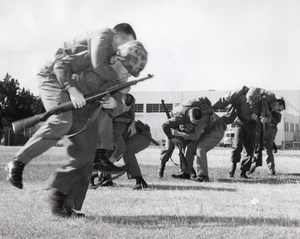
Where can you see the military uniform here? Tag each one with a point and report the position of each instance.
(245, 124)
(70, 183)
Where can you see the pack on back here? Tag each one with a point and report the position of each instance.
(203, 103)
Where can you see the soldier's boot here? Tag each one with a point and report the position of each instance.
(140, 183)
(15, 173)
(161, 169)
(232, 171)
(244, 174)
(105, 180)
(57, 205)
(102, 164)
(202, 178)
(181, 175)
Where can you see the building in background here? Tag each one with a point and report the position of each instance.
(149, 110)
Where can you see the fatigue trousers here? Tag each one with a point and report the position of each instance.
(244, 138)
(134, 144)
(205, 143)
(52, 130)
(119, 143)
(167, 152)
(270, 134)
(74, 177)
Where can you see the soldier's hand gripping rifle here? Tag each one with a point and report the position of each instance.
(182, 158)
(67, 106)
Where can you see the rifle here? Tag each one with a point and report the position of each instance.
(67, 106)
(141, 128)
(261, 131)
(182, 158)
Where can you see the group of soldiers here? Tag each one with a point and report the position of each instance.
(195, 128)
(101, 133)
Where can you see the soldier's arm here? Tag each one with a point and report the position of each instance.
(231, 97)
(71, 64)
(100, 53)
(170, 124)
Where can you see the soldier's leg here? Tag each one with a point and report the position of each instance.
(237, 150)
(72, 179)
(165, 155)
(134, 145)
(249, 144)
(206, 143)
(54, 129)
(270, 135)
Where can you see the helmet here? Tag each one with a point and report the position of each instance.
(129, 99)
(253, 95)
(133, 56)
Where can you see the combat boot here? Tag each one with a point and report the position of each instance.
(15, 173)
(57, 202)
(140, 183)
(244, 175)
(102, 164)
(57, 205)
(105, 180)
(161, 169)
(181, 176)
(202, 178)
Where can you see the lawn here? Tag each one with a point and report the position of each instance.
(263, 207)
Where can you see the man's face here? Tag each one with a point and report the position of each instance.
(121, 71)
(277, 107)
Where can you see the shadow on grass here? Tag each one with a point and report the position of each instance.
(194, 221)
(278, 179)
(183, 187)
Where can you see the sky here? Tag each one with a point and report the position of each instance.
(193, 45)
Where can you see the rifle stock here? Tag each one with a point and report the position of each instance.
(67, 106)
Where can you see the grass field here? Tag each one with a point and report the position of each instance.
(262, 207)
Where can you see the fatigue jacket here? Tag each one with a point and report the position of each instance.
(191, 131)
(84, 63)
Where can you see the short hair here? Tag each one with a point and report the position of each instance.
(125, 28)
(129, 99)
(281, 102)
(196, 113)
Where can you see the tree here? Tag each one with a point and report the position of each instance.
(16, 102)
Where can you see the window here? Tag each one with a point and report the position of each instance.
(138, 108)
(286, 126)
(292, 127)
(168, 106)
(297, 128)
(156, 108)
(152, 108)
